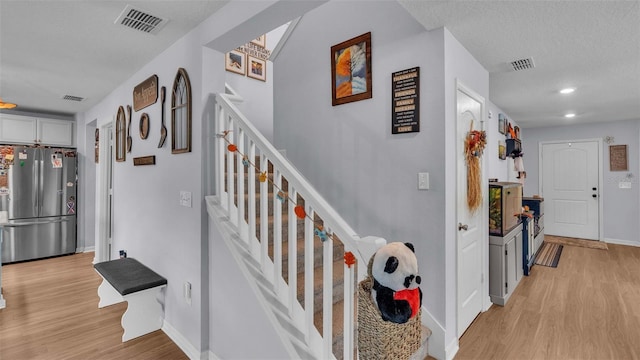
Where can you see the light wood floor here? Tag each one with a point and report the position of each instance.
(586, 308)
(52, 313)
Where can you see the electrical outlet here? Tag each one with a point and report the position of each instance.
(187, 292)
(185, 198)
(423, 181)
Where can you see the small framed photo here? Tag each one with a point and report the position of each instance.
(260, 40)
(351, 70)
(618, 158)
(502, 150)
(501, 122)
(235, 61)
(257, 68)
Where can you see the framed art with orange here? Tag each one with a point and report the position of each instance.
(351, 70)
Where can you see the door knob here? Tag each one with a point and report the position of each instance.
(464, 227)
(594, 196)
(594, 189)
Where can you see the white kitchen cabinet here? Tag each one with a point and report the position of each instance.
(17, 129)
(505, 265)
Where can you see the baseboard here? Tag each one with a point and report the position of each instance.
(622, 242)
(452, 349)
(90, 249)
(182, 342)
(436, 341)
(211, 356)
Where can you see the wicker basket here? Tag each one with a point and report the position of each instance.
(380, 339)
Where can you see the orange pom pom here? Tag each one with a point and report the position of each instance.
(232, 148)
(300, 213)
(349, 258)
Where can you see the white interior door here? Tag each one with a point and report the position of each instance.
(571, 189)
(472, 229)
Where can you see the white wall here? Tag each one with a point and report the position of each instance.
(258, 95)
(462, 67)
(348, 152)
(148, 221)
(621, 206)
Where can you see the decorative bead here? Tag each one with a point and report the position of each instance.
(232, 148)
(349, 259)
(300, 213)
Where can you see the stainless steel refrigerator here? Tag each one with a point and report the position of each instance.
(38, 195)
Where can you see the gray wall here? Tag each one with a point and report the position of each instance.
(621, 206)
(258, 95)
(148, 220)
(348, 152)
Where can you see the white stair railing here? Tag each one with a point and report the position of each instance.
(244, 156)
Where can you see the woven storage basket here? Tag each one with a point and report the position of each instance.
(379, 339)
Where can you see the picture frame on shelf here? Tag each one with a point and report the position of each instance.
(235, 61)
(351, 70)
(256, 68)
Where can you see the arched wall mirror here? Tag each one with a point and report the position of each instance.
(121, 135)
(181, 113)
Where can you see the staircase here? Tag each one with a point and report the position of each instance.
(302, 259)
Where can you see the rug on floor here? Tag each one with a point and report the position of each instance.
(549, 254)
(591, 244)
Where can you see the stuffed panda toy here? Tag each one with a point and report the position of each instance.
(395, 291)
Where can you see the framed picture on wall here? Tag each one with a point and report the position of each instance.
(618, 158)
(501, 123)
(502, 150)
(235, 62)
(351, 70)
(256, 68)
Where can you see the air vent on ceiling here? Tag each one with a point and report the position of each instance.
(140, 20)
(523, 64)
(72, 98)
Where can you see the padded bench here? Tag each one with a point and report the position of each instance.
(128, 280)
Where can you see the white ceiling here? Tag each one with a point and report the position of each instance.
(49, 49)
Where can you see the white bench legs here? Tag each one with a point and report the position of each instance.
(144, 313)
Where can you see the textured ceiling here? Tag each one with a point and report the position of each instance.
(593, 46)
(49, 49)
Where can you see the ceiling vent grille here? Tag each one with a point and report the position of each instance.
(140, 20)
(72, 98)
(522, 64)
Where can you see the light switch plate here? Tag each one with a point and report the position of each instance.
(185, 198)
(423, 181)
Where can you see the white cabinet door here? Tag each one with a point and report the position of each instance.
(18, 129)
(55, 132)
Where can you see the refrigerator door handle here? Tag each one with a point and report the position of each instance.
(36, 189)
(40, 183)
(30, 223)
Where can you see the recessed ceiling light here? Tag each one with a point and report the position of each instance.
(567, 91)
(570, 115)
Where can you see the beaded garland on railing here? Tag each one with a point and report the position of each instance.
(319, 230)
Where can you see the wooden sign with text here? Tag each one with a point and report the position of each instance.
(144, 160)
(145, 93)
(405, 98)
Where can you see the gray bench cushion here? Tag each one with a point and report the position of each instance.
(129, 275)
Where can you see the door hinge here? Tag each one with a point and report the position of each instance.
(506, 252)
(506, 285)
